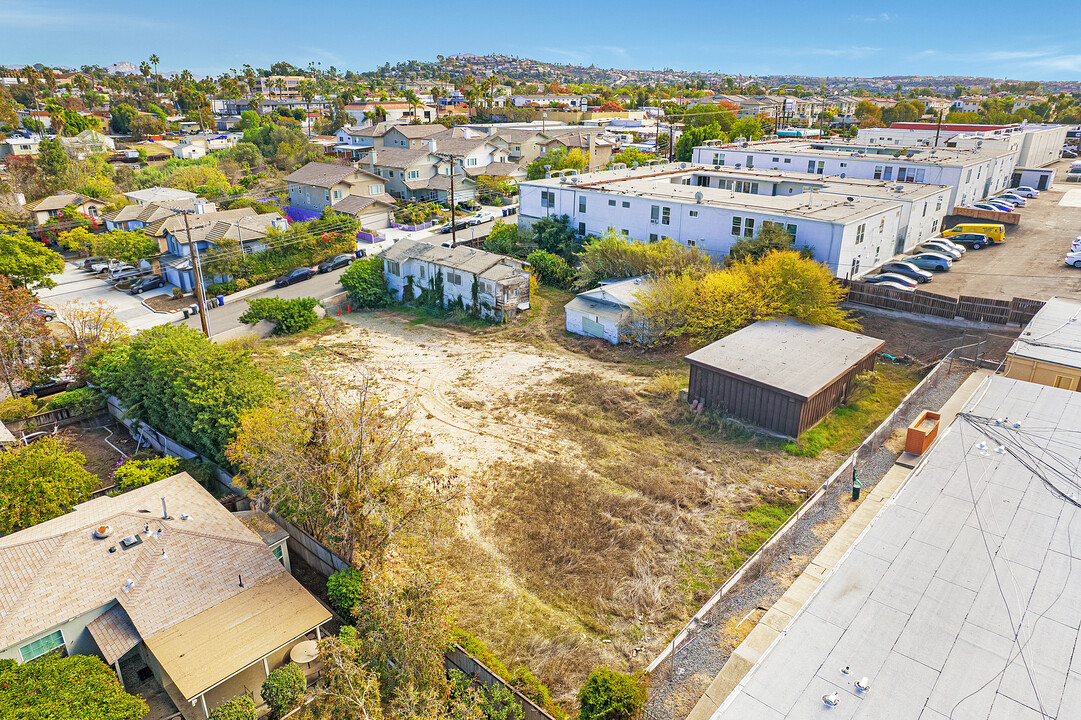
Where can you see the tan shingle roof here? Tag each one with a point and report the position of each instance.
(352, 204)
(398, 157)
(319, 174)
(61, 200)
(114, 633)
(419, 131)
(57, 570)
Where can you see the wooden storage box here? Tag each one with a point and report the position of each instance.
(922, 432)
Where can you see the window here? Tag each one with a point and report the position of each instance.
(888, 175)
(1066, 383)
(326, 195)
(413, 174)
(337, 194)
(737, 223)
(653, 237)
(750, 161)
(860, 229)
(702, 181)
(791, 230)
(968, 177)
(666, 216)
(626, 203)
(718, 158)
(626, 233)
(375, 189)
(393, 268)
(390, 173)
(454, 278)
(855, 266)
(471, 161)
(844, 165)
(934, 225)
(878, 172)
(920, 175)
(693, 213)
(41, 646)
(581, 228)
(788, 160)
(277, 551)
(422, 271)
(925, 210)
(582, 203)
(776, 159)
(654, 214)
(748, 227)
(611, 203)
(548, 198)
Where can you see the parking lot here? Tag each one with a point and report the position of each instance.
(75, 284)
(1030, 263)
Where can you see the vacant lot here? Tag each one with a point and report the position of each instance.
(1029, 264)
(599, 512)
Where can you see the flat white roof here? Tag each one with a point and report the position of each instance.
(880, 153)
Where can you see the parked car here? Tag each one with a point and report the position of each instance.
(338, 261)
(948, 243)
(1075, 246)
(49, 387)
(976, 241)
(930, 261)
(992, 208)
(294, 276)
(1068, 153)
(147, 283)
(1014, 200)
(1025, 191)
(44, 311)
(458, 224)
(470, 205)
(93, 260)
(893, 285)
(933, 247)
(1074, 258)
(907, 269)
(897, 278)
(482, 217)
(106, 265)
(123, 272)
(1002, 205)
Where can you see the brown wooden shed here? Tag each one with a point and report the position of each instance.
(780, 375)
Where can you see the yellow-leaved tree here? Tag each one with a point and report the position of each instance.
(92, 323)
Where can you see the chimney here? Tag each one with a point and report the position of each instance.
(431, 144)
(371, 159)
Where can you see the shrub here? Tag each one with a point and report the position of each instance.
(863, 385)
(283, 689)
(177, 292)
(222, 288)
(82, 401)
(17, 408)
(550, 269)
(242, 284)
(345, 589)
(365, 282)
(288, 316)
(136, 473)
(610, 695)
(242, 707)
(476, 647)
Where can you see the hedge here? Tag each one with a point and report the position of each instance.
(242, 707)
(345, 590)
(283, 689)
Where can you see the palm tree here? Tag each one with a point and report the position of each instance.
(144, 68)
(154, 60)
(411, 98)
(307, 91)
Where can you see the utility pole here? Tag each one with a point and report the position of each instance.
(939, 130)
(198, 280)
(453, 212)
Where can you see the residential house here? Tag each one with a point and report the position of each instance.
(606, 311)
(44, 210)
(496, 284)
(966, 104)
(354, 140)
(281, 86)
(595, 147)
(189, 151)
(373, 213)
(411, 136)
(165, 585)
(391, 111)
(397, 165)
(203, 143)
(158, 195)
(136, 217)
(89, 142)
(19, 146)
(575, 102)
(319, 185)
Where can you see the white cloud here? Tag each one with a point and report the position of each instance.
(881, 17)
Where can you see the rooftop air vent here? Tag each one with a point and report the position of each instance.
(103, 531)
(698, 197)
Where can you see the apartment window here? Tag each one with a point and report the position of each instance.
(655, 214)
(337, 194)
(548, 198)
(702, 181)
(737, 223)
(611, 203)
(791, 230)
(693, 213)
(748, 227)
(855, 266)
(881, 225)
(979, 172)
(888, 175)
(454, 278)
(653, 237)
(925, 210)
(788, 160)
(878, 172)
(920, 175)
(776, 159)
(666, 216)
(718, 158)
(968, 177)
(326, 195)
(964, 198)
(582, 203)
(42, 646)
(844, 165)
(393, 268)
(934, 225)
(750, 161)
(626, 232)
(859, 233)
(626, 203)
(413, 174)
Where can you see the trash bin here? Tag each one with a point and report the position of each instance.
(187, 313)
(221, 299)
(194, 309)
(856, 484)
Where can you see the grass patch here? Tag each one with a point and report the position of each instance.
(847, 426)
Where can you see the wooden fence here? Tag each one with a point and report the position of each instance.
(921, 302)
(458, 659)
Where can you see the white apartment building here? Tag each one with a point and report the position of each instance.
(700, 208)
(972, 175)
(1035, 145)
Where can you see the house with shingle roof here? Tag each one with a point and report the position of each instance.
(319, 185)
(44, 210)
(161, 580)
(136, 217)
(592, 145)
(497, 285)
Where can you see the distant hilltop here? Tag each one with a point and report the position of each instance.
(122, 68)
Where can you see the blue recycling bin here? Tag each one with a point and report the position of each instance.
(221, 299)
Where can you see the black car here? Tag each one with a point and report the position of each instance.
(45, 389)
(338, 261)
(906, 269)
(975, 241)
(294, 276)
(147, 283)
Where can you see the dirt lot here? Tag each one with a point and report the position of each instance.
(1029, 264)
(599, 512)
(930, 341)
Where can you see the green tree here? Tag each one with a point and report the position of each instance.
(610, 695)
(614, 256)
(136, 473)
(746, 128)
(242, 707)
(81, 687)
(555, 235)
(632, 155)
(770, 237)
(502, 239)
(345, 589)
(289, 316)
(550, 269)
(25, 261)
(122, 116)
(53, 159)
(41, 481)
(283, 689)
(557, 159)
(366, 283)
(131, 246)
(24, 336)
(693, 137)
(178, 381)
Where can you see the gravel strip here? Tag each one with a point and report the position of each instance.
(679, 681)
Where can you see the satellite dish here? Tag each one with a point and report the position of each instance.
(634, 164)
(898, 188)
(843, 176)
(851, 199)
(698, 196)
(737, 166)
(683, 166)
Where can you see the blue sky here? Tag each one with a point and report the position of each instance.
(1029, 41)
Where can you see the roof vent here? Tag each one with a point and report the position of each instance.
(698, 197)
(130, 541)
(832, 699)
(128, 585)
(103, 531)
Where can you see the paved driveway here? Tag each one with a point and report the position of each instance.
(74, 284)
